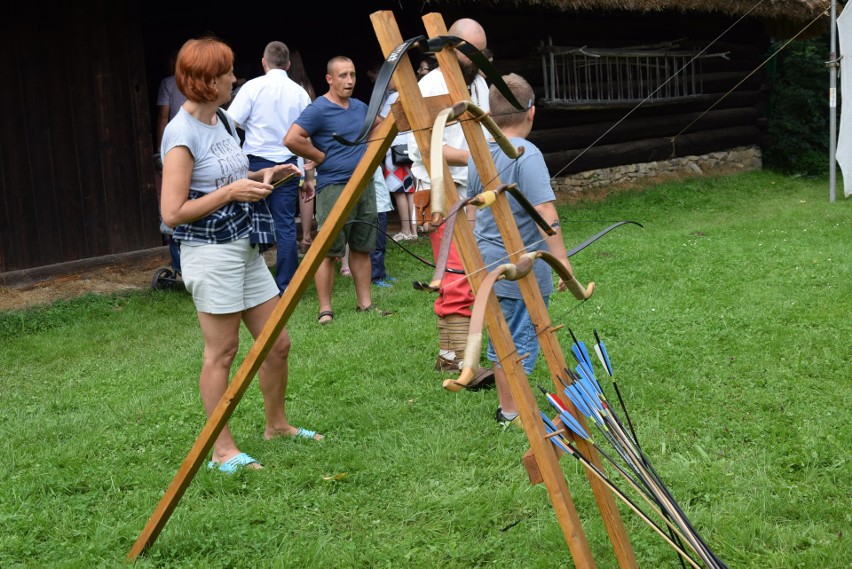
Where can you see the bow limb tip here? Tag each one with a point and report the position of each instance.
(428, 287)
(579, 292)
(485, 199)
(458, 110)
(462, 382)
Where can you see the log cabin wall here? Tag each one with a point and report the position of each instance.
(76, 176)
(587, 137)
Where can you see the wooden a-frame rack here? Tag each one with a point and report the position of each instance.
(413, 112)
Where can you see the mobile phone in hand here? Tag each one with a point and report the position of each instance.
(281, 181)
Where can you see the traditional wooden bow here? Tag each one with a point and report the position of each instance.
(482, 200)
(512, 272)
(437, 199)
(430, 45)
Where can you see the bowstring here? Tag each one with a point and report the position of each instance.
(487, 267)
(744, 79)
(400, 245)
(657, 90)
(664, 83)
(464, 276)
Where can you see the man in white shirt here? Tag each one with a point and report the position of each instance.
(455, 298)
(264, 108)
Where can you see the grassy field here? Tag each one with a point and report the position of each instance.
(727, 318)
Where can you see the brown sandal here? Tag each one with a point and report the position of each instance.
(325, 314)
(482, 379)
(375, 309)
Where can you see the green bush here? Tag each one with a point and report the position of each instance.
(799, 112)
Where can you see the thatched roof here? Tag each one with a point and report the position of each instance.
(781, 13)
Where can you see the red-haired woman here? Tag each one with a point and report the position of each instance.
(220, 217)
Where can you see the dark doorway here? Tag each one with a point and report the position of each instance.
(319, 31)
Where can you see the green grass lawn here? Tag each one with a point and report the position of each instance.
(727, 318)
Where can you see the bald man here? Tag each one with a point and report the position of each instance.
(455, 297)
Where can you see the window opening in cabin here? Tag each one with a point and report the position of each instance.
(584, 76)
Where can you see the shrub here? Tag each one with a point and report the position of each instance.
(798, 111)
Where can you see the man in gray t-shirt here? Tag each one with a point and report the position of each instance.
(169, 100)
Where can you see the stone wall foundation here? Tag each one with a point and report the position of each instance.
(734, 160)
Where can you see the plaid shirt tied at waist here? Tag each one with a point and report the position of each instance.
(233, 221)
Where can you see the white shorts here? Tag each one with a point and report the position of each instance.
(224, 278)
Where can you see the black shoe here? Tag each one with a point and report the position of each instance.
(506, 422)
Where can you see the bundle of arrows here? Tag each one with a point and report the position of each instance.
(583, 390)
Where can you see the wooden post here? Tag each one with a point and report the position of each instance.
(546, 460)
(375, 153)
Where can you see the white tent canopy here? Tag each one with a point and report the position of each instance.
(843, 153)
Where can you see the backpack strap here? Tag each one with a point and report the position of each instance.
(224, 120)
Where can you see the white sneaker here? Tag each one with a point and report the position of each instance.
(399, 237)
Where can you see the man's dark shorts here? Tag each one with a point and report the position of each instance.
(361, 237)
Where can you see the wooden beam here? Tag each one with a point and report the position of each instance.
(421, 118)
(641, 129)
(651, 150)
(543, 450)
(26, 277)
(376, 151)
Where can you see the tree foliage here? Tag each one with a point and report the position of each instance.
(799, 111)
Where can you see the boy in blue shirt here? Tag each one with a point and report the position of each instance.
(530, 173)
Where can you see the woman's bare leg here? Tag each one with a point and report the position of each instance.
(221, 341)
(273, 373)
(404, 212)
(412, 225)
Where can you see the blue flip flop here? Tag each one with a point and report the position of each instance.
(306, 434)
(231, 466)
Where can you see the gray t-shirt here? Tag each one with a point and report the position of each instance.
(219, 160)
(530, 173)
(169, 94)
